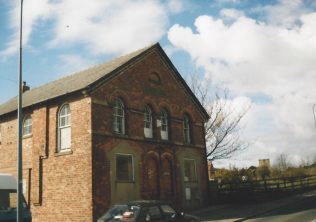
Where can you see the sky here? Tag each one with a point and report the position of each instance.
(263, 52)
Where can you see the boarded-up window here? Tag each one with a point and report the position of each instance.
(189, 170)
(124, 167)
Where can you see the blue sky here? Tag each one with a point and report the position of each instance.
(262, 51)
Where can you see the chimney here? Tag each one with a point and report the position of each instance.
(25, 87)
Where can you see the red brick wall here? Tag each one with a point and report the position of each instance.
(136, 90)
(8, 152)
(67, 178)
(61, 184)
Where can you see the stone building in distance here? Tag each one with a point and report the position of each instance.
(127, 129)
(264, 163)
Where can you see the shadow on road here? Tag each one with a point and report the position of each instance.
(241, 210)
(300, 205)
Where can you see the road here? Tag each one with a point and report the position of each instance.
(297, 208)
(300, 211)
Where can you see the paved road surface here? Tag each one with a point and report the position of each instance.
(296, 208)
(301, 211)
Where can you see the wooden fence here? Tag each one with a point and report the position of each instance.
(258, 189)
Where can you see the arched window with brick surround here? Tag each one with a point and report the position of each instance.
(164, 125)
(118, 117)
(64, 128)
(186, 129)
(148, 126)
(27, 126)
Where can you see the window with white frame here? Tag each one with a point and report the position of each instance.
(148, 129)
(27, 126)
(189, 168)
(164, 125)
(186, 130)
(64, 128)
(124, 167)
(118, 117)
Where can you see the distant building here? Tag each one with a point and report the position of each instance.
(210, 170)
(264, 162)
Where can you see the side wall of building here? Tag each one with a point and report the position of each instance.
(58, 185)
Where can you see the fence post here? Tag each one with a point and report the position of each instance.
(292, 183)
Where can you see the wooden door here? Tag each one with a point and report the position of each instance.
(153, 179)
(167, 180)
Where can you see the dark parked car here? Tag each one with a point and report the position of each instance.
(8, 203)
(145, 211)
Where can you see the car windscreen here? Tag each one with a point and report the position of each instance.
(122, 213)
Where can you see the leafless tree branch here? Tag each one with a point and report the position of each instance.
(222, 131)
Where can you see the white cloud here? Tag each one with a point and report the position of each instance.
(231, 13)
(103, 27)
(285, 13)
(109, 26)
(175, 6)
(250, 57)
(233, 107)
(229, 1)
(34, 11)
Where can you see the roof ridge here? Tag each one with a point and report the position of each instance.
(72, 82)
(89, 68)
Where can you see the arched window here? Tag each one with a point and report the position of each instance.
(164, 125)
(186, 130)
(148, 126)
(118, 117)
(189, 168)
(27, 126)
(64, 128)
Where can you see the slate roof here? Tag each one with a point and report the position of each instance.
(68, 84)
(86, 79)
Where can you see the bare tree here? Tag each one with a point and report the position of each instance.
(281, 165)
(223, 130)
(282, 162)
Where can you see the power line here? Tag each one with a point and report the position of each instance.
(8, 79)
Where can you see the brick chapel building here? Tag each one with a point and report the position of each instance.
(127, 129)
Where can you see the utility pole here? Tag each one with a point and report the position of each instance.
(19, 162)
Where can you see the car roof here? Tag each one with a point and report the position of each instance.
(7, 182)
(143, 202)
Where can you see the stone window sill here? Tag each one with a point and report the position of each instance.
(27, 136)
(63, 153)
